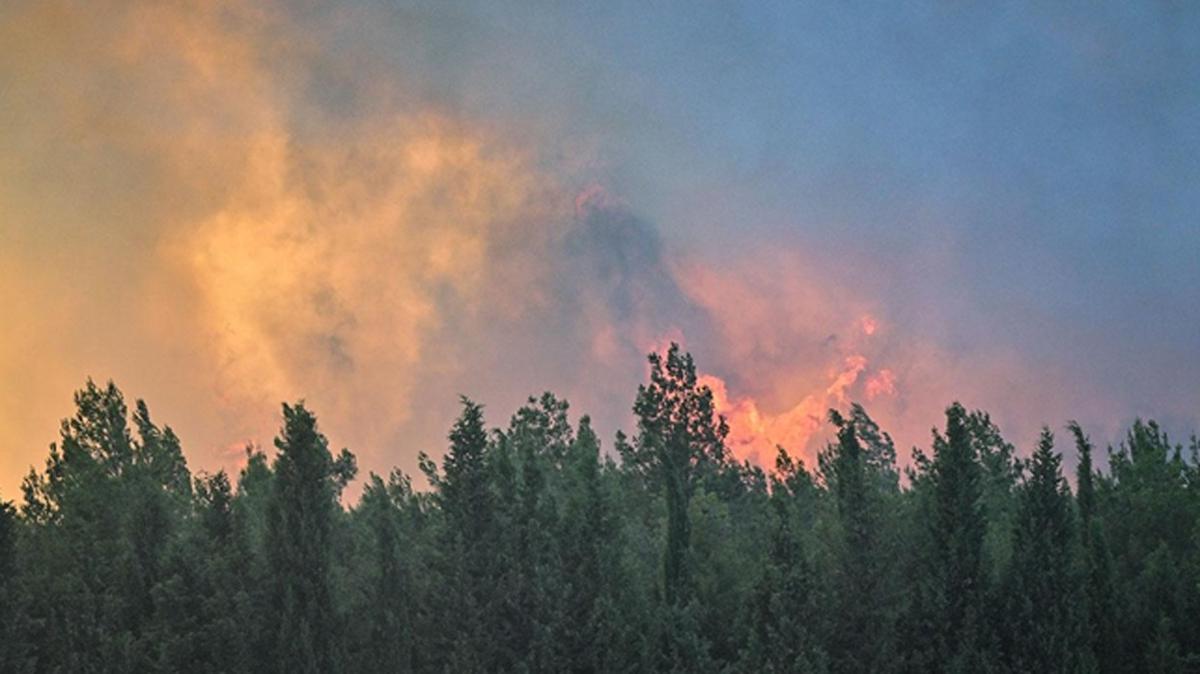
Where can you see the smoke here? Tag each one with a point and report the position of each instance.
(227, 205)
(253, 242)
(239, 248)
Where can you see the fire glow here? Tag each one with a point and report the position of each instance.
(756, 434)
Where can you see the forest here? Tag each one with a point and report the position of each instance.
(534, 549)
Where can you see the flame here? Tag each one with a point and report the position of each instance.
(754, 434)
(804, 343)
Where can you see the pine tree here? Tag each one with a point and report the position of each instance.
(1150, 520)
(300, 519)
(1102, 636)
(595, 634)
(1041, 616)
(12, 636)
(468, 546)
(227, 606)
(533, 552)
(200, 620)
(107, 505)
(680, 447)
(862, 480)
(249, 513)
(385, 621)
(533, 450)
(1000, 477)
(786, 611)
(680, 441)
(951, 596)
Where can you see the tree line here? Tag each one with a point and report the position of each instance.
(535, 551)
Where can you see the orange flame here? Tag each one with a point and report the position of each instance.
(754, 434)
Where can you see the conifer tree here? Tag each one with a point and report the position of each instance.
(386, 621)
(1149, 518)
(532, 551)
(950, 598)
(12, 646)
(680, 447)
(595, 633)
(301, 515)
(680, 441)
(469, 538)
(859, 470)
(1041, 591)
(1102, 638)
(786, 634)
(113, 501)
(525, 460)
(201, 619)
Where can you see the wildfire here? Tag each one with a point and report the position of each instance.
(755, 434)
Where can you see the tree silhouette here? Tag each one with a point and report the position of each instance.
(533, 549)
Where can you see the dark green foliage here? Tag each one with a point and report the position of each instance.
(1102, 638)
(948, 618)
(12, 647)
(597, 630)
(1043, 608)
(1148, 508)
(786, 611)
(860, 473)
(108, 505)
(382, 631)
(201, 605)
(469, 560)
(534, 550)
(680, 443)
(301, 515)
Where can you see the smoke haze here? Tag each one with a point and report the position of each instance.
(223, 206)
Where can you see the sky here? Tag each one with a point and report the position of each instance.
(377, 207)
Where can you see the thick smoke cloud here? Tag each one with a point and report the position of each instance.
(246, 241)
(223, 206)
